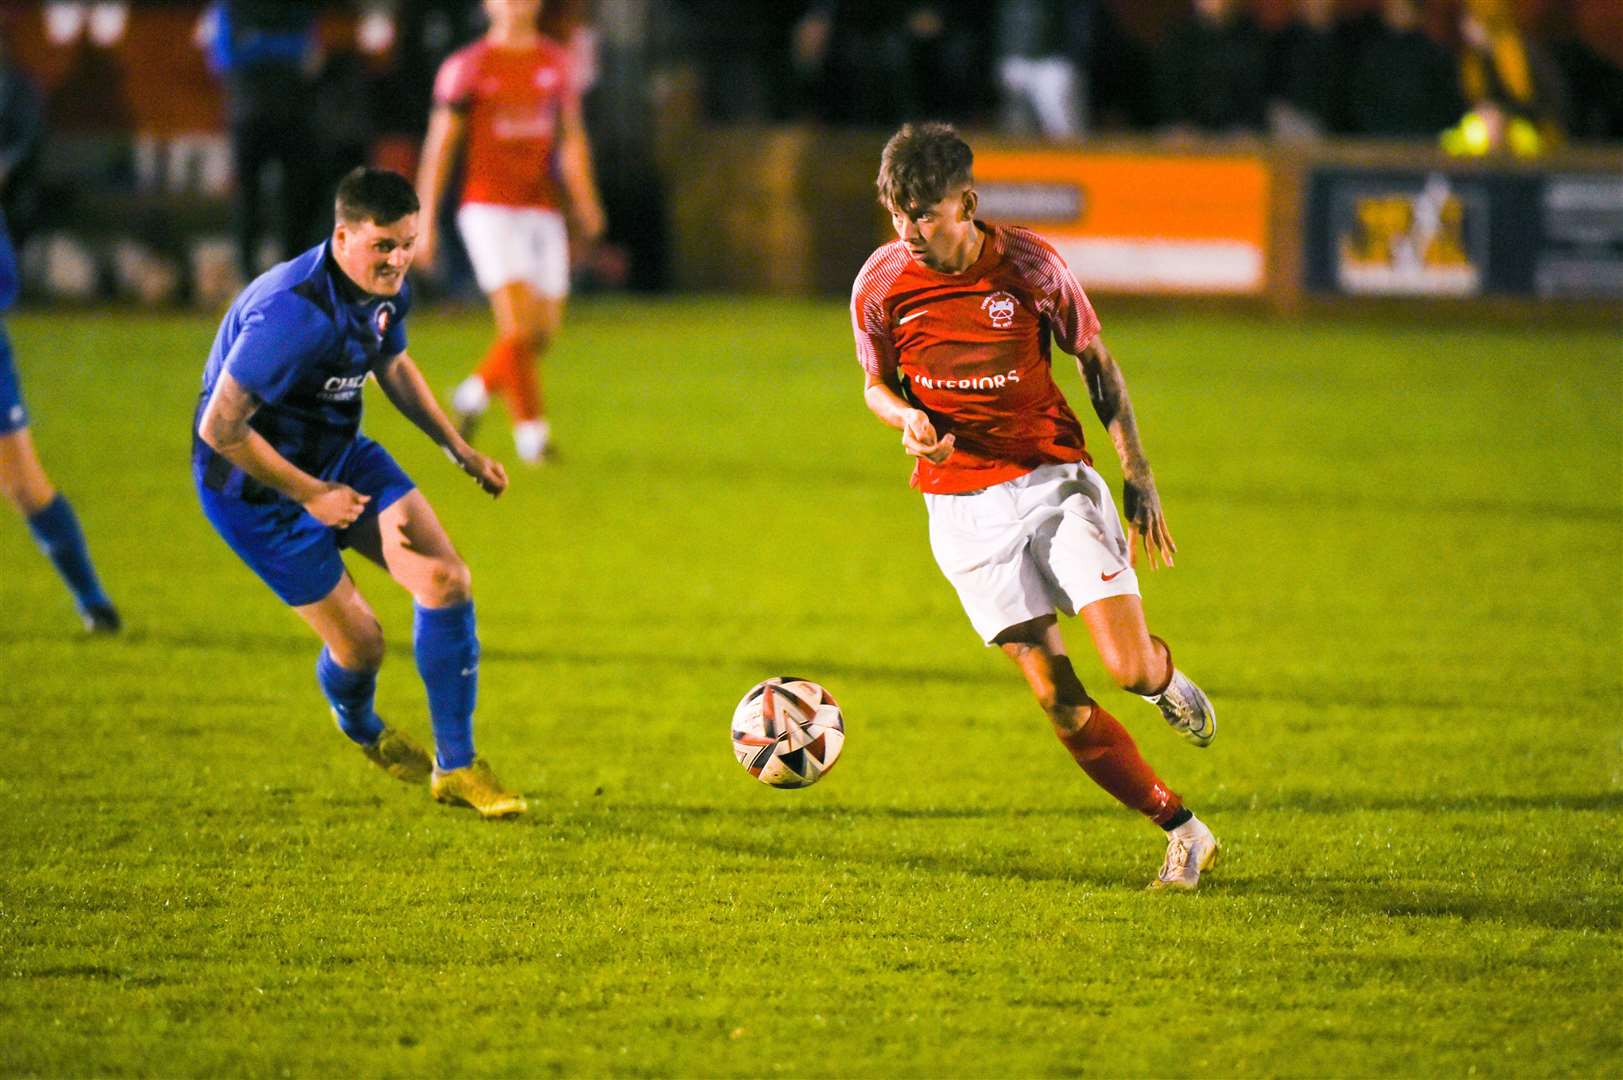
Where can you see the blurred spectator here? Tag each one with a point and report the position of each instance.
(425, 33)
(1596, 83)
(1122, 88)
(620, 119)
(1214, 69)
(1513, 89)
(739, 57)
(881, 64)
(1045, 50)
(1307, 73)
(1403, 82)
(92, 95)
(342, 129)
(22, 133)
(265, 50)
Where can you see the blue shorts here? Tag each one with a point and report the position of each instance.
(292, 552)
(13, 415)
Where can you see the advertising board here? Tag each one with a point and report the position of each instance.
(1466, 233)
(1137, 223)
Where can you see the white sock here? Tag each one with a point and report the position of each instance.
(1155, 699)
(1188, 829)
(470, 396)
(530, 439)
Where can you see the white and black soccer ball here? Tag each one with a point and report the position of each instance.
(788, 732)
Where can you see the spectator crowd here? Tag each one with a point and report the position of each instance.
(277, 98)
(1065, 69)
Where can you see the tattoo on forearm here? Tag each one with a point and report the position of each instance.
(1108, 390)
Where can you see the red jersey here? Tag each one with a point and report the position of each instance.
(512, 100)
(972, 350)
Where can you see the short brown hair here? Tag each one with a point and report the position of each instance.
(921, 165)
(378, 195)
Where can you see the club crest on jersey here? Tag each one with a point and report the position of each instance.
(382, 317)
(999, 307)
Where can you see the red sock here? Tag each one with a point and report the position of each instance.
(1111, 759)
(525, 382)
(496, 370)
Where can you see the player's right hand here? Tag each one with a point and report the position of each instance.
(486, 471)
(920, 440)
(337, 505)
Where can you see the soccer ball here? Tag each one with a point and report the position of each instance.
(788, 732)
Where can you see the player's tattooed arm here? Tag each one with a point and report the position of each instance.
(884, 398)
(1141, 503)
(406, 388)
(224, 427)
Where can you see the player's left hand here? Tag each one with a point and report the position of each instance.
(487, 472)
(1146, 523)
(587, 223)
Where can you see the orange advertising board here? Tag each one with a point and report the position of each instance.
(1138, 222)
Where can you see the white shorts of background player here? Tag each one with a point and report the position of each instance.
(508, 244)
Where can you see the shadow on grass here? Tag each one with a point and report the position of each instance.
(717, 829)
(767, 846)
(832, 669)
(1466, 902)
(1331, 802)
(1309, 694)
(97, 973)
(300, 645)
(1336, 501)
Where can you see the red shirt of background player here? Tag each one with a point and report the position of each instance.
(974, 350)
(511, 99)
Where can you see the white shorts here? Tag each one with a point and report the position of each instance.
(516, 243)
(1044, 542)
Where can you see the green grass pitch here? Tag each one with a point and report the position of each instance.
(1400, 577)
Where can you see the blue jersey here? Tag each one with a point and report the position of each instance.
(302, 339)
(10, 283)
(13, 414)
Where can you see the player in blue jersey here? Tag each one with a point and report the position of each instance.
(288, 480)
(49, 514)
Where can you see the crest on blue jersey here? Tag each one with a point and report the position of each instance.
(382, 317)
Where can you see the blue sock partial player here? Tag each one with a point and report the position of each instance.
(56, 531)
(350, 693)
(448, 659)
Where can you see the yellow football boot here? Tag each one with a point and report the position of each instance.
(476, 786)
(400, 755)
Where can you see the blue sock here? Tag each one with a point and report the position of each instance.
(448, 660)
(351, 695)
(56, 531)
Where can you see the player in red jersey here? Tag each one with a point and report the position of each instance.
(513, 98)
(953, 323)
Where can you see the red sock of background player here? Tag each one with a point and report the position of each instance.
(525, 383)
(1111, 759)
(496, 370)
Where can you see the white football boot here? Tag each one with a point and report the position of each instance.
(532, 439)
(469, 401)
(1186, 709)
(1191, 848)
